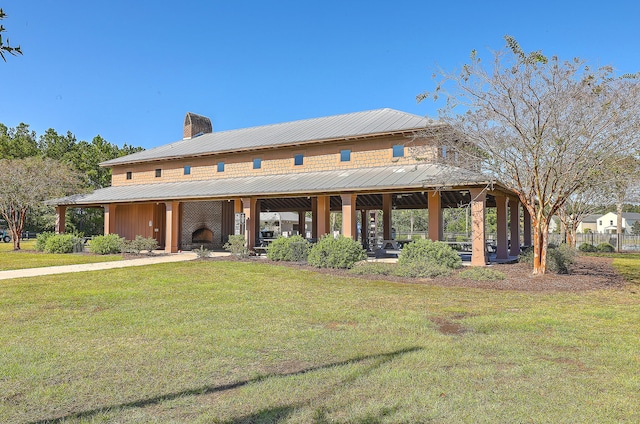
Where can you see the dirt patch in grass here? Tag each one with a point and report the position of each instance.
(588, 273)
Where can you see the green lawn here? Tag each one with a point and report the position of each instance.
(214, 341)
(27, 257)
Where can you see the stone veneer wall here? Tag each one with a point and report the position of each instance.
(196, 215)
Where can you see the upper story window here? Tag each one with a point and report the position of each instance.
(187, 170)
(444, 152)
(257, 163)
(220, 166)
(129, 174)
(298, 159)
(158, 173)
(398, 151)
(610, 222)
(600, 223)
(345, 155)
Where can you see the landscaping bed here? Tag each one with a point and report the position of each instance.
(588, 273)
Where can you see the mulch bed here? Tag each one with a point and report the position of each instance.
(588, 273)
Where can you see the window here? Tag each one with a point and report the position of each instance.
(129, 175)
(444, 152)
(187, 170)
(610, 222)
(220, 166)
(298, 160)
(398, 151)
(158, 173)
(600, 222)
(345, 155)
(257, 163)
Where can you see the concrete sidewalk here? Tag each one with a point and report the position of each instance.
(147, 260)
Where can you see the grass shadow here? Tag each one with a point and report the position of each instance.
(272, 415)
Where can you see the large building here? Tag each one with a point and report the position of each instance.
(194, 190)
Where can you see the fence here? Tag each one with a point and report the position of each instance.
(629, 241)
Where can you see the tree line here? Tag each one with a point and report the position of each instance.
(34, 168)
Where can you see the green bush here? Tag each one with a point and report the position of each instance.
(63, 243)
(480, 273)
(139, 244)
(587, 247)
(290, 249)
(237, 246)
(41, 240)
(202, 252)
(558, 258)
(340, 252)
(422, 267)
(605, 248)
(107, 245)
(421, 251)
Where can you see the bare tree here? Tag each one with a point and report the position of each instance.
(545, 128)
(623, 176)
(5, 47)
(26, 184)
(578, 206)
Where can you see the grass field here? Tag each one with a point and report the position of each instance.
(28, 258)
(232, 342)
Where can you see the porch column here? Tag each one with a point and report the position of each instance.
(364, 225)
(435, 216)
(314, 218)
(302, 223)
(324, 210)
(349, 217)
(109, 219)
(527, 227)
(478, 235)
(386, 216)
(171, 227)
(502, 241)
(252, 216)
(514, 223)
(60, 219)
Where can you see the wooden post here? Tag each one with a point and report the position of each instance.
(478, 235)
(387, 204)
(249, 207)
(527, 227)
(314, 218)
(514, 223)
(302, 223)
(435, 216)
(324, 210)
(109, 219)
(502, 241)
(172, 226)
(349, 217)
(61, 211)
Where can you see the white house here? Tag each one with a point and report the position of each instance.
(607, 223)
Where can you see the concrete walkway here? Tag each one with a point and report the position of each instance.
(146, 260)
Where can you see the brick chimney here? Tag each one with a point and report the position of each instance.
(195, 125)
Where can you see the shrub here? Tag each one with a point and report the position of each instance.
(422, 267)
(202, 252)
(587, 247)
(107, 244)
(339, 252)
(480, 273)
(605, 248)
(41, 240)
(421, 251)
(558, 258)
(139, 244)
(63, 243)
(290, 249)
(237, 246)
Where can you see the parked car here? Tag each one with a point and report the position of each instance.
(5, 236)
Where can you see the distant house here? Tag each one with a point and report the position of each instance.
(589, 224)
(607, 224)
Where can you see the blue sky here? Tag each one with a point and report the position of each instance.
(129, 70)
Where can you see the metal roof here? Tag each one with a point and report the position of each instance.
(338, 127)
(420, 177)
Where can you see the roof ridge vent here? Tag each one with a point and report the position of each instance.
(196, 125)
